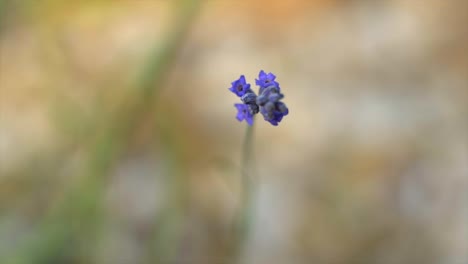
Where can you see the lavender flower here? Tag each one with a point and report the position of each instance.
(240, 87)
(265, 80)
(268, 102)
(243, 113)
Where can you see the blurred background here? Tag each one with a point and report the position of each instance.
(119, 143)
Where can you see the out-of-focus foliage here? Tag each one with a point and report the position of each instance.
(119, 144)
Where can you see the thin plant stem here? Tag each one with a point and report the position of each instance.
(247, 191)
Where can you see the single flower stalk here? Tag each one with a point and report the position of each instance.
(268, 103)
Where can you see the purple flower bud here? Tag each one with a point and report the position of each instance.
(282, 108)
(262, 99)
(269, 106)
(249, 98)
(254, 109)
(275, 97)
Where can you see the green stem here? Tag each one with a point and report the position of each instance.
(248, 191)
(247, 168)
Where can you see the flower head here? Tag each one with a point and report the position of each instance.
(265, 80)
(244, 113)
(240, 87)
(268, 102)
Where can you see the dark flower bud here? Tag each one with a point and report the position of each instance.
(269, 106)
(282, 108)
(275, 97)
(272, 89)
(261, 99)
(253, 108)
(267, 115)
(249, 98)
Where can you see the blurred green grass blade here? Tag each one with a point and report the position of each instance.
(159, 60)
(82, 204)
(169, 224)
(3, 13)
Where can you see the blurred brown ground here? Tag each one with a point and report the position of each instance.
(369, 167)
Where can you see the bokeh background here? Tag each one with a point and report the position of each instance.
(119, 143)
